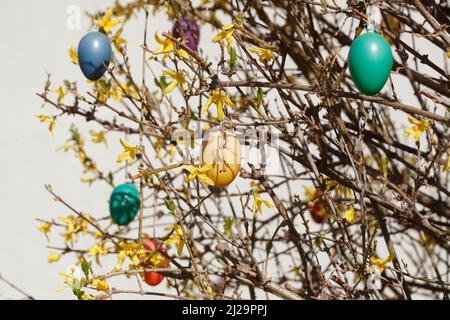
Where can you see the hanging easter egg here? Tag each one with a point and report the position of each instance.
(151, 245)
(154, 245)
(317, 205)
(94, 55)
(318, 212)
(124, 204)
(153, 278)
(370, 62)
(150, 277)
(187, 30)
(221, 149)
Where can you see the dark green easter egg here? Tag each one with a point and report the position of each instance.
(124, 203)
(370, 62)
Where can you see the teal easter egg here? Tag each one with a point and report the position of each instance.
(370, 62)
(124, 203)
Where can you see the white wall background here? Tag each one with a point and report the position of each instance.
(36, 40)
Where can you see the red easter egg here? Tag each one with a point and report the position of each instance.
(154, 245)
(153, 278)
(150, 244)
(318, 213)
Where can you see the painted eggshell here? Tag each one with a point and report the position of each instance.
(124, 203)
(223, 150)
(153, 278)
(188, 30)
(94, 52)
(370, 62)
(318, 213)
(150, 244)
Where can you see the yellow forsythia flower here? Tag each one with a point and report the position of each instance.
(265, 55)
(129, 153)
(61, 93)
(117, 39)
(74, 226)
(227, 34)
(178, 79)
(167, 46)
(44, 227)
(258, 202)
(447, 163)
(380, 264)
(73, 55)
(98, 137)
(219, 99)
(100, 285)
(50, 120)
(419, 127)
(199, 173)
(106, 23)
(311, 194)
(350, 214)
(131, 250)
(97, 249)
(178, 238)
(53, 257)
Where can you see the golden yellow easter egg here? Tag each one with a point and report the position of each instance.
(394, 25)
(221, 148)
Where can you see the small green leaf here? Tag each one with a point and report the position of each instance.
(86, 267)
(384, 165)
(110, 177)
(259, 97)
(78, 293)
(170, 205)
(67, 84)
(77, 284)
(228, 225)
(105, 85)
(162, 82)
(146, 176)
(47, 85)
(233, 59)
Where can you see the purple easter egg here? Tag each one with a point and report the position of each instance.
(188, 30)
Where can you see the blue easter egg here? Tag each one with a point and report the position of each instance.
(94, 52)
(124, 204)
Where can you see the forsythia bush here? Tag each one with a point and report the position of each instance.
(252, 164)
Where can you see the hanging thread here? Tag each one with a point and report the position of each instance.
(374, 20)
(95, 4)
